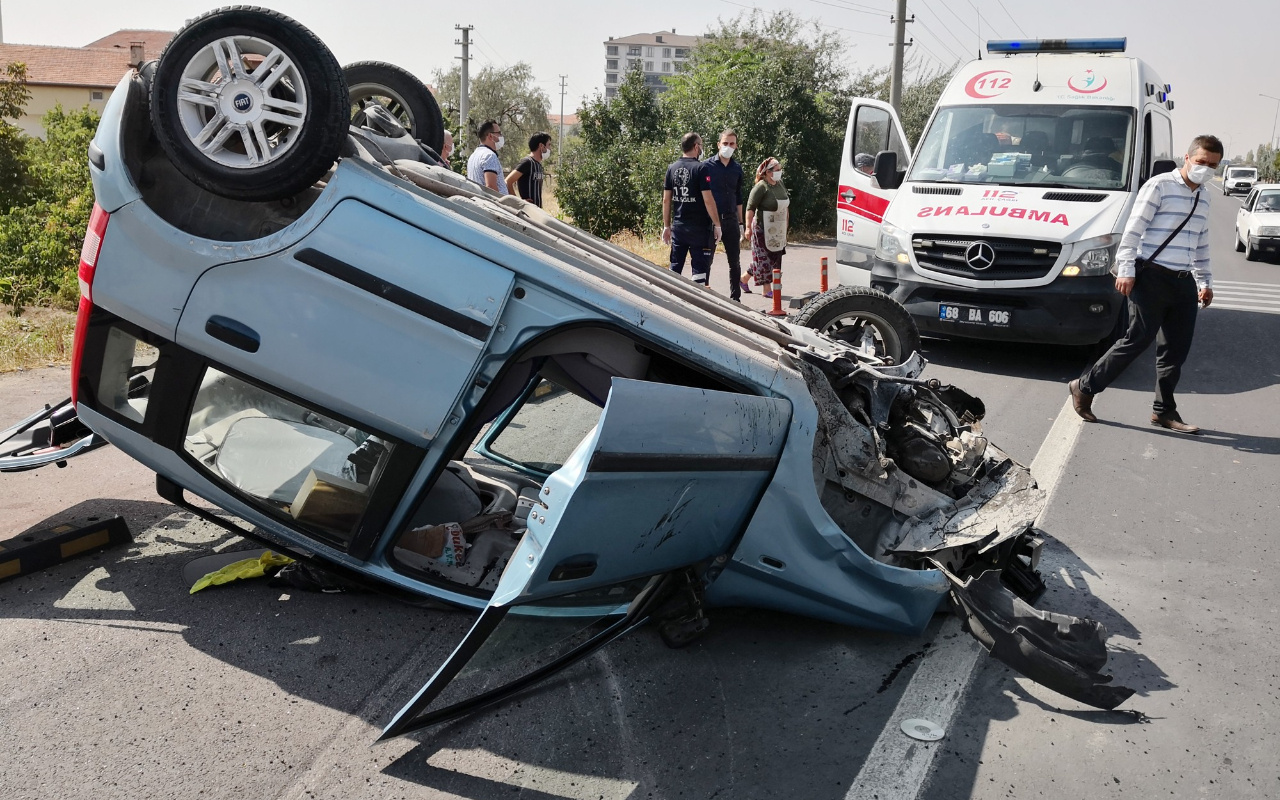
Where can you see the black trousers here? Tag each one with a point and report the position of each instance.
(1162, 309)
(731, 236)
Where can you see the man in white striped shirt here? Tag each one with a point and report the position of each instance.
(1162, 266)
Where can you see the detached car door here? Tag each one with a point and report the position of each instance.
(861, 202)
(668, 479)
(368, 317)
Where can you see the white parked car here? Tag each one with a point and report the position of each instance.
(1258, 222)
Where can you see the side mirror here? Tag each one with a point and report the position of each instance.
(1163, 165)
(886, 170)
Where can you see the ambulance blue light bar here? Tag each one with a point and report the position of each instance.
(1057, 45)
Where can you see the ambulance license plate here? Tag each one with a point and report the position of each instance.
(974, 315)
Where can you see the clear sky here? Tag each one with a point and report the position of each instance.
(1217, 55)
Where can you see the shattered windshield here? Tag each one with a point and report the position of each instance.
(1078, 147)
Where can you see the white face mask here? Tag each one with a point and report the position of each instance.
(546, 154)
(1199, 173)
(777, 175)
(727, 151)
(498, 144)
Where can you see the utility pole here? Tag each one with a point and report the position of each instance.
(1272, 141)
(464, 99)
(899, 21)
(560, 141)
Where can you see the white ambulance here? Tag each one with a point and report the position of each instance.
(1005, 223)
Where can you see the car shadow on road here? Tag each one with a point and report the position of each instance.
(766, 705)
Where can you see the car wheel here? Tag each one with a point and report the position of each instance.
(249, 104)
(1250, 252)
(864, 318)
(1239, 244)
(401, 93)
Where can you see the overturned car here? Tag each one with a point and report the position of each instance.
(398, 376)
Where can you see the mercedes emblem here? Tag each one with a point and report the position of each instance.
(979, 256)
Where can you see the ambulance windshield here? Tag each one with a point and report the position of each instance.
(1078, 147)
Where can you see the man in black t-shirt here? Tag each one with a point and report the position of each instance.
(690, 222)
(526, 179)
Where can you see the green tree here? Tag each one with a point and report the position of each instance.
(781, 84)
(40, 240)
(506, 94)
(13, 143)
(607, 180)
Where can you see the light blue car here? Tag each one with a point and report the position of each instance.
(397, 376)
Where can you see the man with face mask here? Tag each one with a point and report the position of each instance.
(483, 166)
(1162, 266)
(726, 188)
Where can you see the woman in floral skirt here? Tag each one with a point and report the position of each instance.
(767, 221)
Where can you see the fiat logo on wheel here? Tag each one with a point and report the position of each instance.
(979, 256)
(242, 102)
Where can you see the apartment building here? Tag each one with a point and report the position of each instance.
(660, 55)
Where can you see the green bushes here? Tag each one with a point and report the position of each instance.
(45, 200)
(41, 234)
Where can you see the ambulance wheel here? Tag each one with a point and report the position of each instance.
(865, 318)
(249, 104)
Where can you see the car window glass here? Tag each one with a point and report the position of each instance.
(1268, 201)
(874, 131)
(292, 459)
(546, 428)
(128, 365)
(1021, 144)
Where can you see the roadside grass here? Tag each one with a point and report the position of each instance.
(39, 337)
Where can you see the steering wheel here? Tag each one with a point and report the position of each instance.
(1088, 170)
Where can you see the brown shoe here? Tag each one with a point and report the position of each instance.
(1082, 401)
(1173, 422)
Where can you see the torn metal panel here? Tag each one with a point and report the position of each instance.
(999, 508)
(1058, 651)
(847, 453)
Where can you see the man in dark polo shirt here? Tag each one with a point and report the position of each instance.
(690, 222)
(726, 188)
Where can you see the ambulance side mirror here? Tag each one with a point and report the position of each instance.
(886, 170)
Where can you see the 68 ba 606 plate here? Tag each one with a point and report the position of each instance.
(975, 315)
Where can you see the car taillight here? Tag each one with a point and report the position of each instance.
(89, 252)
(88, 268)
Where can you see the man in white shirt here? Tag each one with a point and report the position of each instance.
(1162, 266)
(483, 166)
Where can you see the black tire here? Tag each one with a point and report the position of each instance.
(845, 313)
(400, 92)
(308, 104)
(1239, 244)
(1250, 252)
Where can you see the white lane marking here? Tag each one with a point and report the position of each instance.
(1247, 284)
(1242, 307)
(1266, 298)
(898, 766)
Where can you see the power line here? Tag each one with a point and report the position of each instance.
(939, 39)
(989, 25)
(963, 47)
(1011, 19)
(855, 8)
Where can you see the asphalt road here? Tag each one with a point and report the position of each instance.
(121, 684)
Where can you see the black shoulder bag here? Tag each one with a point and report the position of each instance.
(1140, 263)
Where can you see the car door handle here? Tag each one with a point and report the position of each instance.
(573, 568)
(234, 333)
(848, 196)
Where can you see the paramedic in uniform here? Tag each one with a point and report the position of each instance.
(1163, 295)
(690, 221)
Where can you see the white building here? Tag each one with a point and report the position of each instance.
(660, 55)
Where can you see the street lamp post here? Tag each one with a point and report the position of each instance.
(1272, 141)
